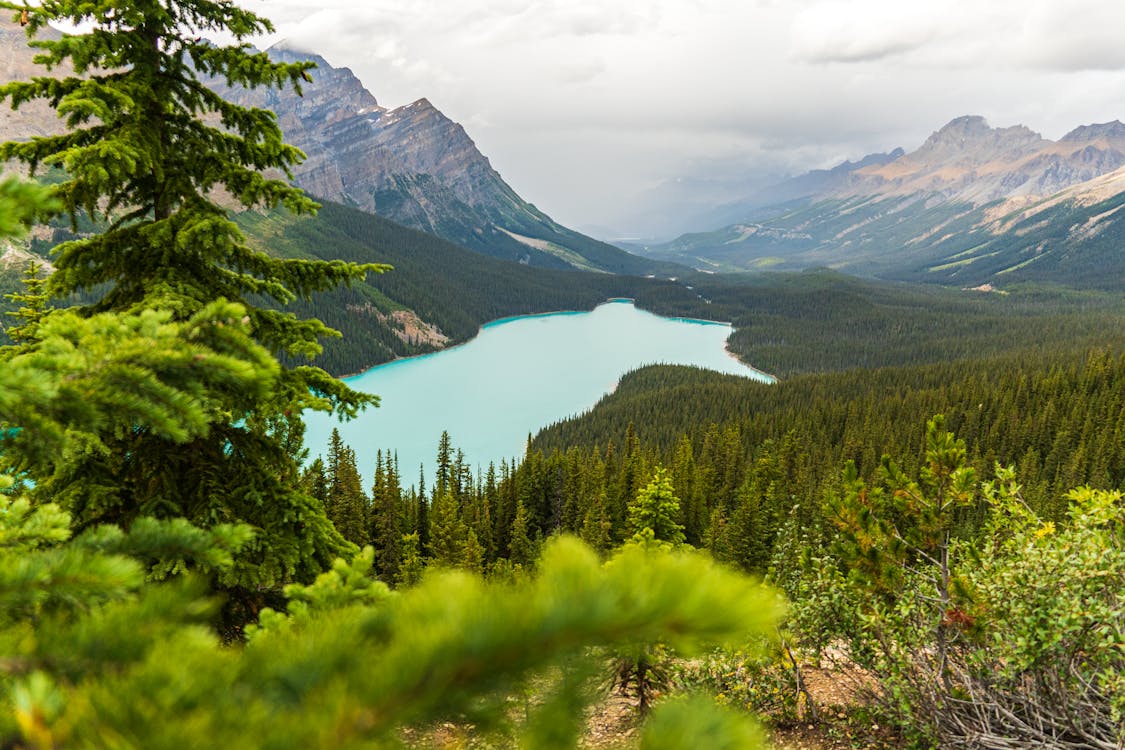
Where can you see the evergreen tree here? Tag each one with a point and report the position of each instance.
(315, 481)
(444, 465)
(472, 556)
(693, 512)
(596, 525)
(148, 146)
(716, 540)
(347, 505)
(521, 551)
(653, 513)
(385, 522)
(422, 512)
(412, 567)
(34, 305)
(447, 533)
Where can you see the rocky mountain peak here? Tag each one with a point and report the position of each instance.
(969, 161)
(1085, 133)
(966, 126)
(973, 138)
(411, 164)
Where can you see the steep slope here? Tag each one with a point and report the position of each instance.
(973, 205)
(438, 294)
(415, 166)
(411, 164)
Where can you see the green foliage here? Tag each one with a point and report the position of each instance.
(352, 665)
(34, 300)
(653, 513)
(80, 610)
(207, 429)
(762, 681)
(695, 721)
(347, 584)
(91, 379)
(1013, 639)
(886, 529)
(21, 204)
(1047, 618)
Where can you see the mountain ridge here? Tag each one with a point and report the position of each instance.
(414, 165)
(972, 205)
(410, 164)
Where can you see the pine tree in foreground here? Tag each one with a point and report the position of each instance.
(148, 147)
(95, 656)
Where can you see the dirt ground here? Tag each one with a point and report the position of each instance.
(613, 724)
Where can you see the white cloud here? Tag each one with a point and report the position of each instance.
(583, 103)
(864, 31)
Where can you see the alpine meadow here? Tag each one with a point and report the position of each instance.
(910, 533)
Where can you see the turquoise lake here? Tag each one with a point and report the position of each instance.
(517, 376)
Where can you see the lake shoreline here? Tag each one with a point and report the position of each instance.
(510, 318)
(515, 379)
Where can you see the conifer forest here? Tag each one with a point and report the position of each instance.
(925, 509)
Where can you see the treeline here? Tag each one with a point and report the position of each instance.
(821, 320)
(743, 456)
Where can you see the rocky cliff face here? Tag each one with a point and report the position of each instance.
(414, 165)
(365, 155)
(34, 118)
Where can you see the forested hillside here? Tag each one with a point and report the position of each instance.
(441, 292)
(742, 455)
(821, 320)
(444, 285)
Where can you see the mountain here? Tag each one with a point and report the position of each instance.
(414, 165)
(973, 205)
(33, 118)
(411, 164)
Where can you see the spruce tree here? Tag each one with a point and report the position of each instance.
(34, 305)
(653, 513)
(385, 521)
(447, 533)
(347, 505)
(521, 550)
(148, 148)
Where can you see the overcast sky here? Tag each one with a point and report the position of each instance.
(592, 109)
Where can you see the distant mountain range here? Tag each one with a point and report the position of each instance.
(973, 205)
